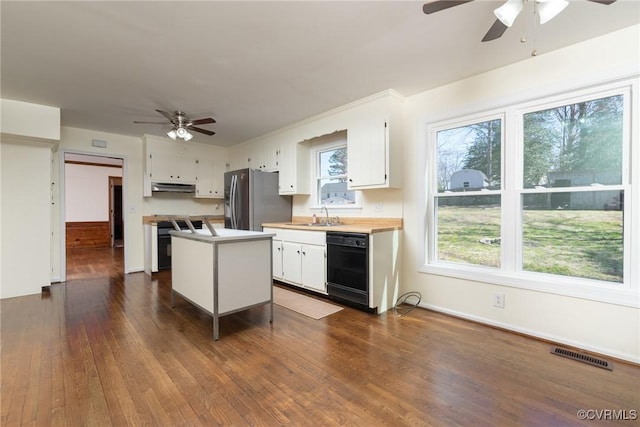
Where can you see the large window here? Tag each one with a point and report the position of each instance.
(534, 193)
(572, 199)
(468, 201)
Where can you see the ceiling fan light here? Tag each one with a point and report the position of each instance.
(187, 136)
(172, 134)
(548, 9)
(508, 12)
(181, 132)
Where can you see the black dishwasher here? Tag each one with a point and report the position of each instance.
(348, 268)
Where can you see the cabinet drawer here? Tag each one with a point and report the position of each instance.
(304, 237)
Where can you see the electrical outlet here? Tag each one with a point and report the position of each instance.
(498, 299)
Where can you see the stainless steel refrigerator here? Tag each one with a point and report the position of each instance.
(251, 198)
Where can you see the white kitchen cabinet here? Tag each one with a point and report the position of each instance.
(150, 248)
(210, 178)
(299, 258)
(374, 147)
(239, 157)
(178, 166)
(277, 259)
(168, 161)
(366, 150)
(384, 261)
(313, 272)
(292, 262)
(265, 157)
(294, 169)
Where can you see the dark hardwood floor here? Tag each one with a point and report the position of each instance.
(107, 349)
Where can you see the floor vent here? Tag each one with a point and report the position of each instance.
(590, 360)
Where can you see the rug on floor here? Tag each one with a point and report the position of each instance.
(302, 304)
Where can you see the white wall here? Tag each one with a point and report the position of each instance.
(29, 131)
(29, 120)
(130, 150)
(135, 206)
(25, 262)
(87, 192)
(606, 328)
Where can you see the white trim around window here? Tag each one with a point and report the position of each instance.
(315, 152)
(510, 273)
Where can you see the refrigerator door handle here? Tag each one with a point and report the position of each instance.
(234, 224)
(237, 204)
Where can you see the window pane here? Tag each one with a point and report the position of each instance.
(574, 145)
(468, 230)
(333, 191)
(576, 234)
(469, 157)
(333, 162)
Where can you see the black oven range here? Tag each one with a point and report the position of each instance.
(164, 241)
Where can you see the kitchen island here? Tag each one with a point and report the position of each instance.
(222, 273)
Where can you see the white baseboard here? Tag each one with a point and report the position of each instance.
(535, 334)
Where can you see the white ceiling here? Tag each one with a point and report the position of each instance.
(256, 66)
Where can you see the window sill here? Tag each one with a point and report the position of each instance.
(570, 287)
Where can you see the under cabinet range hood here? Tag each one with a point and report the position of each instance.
(171, 187)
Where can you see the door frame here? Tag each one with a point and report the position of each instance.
(62, 200)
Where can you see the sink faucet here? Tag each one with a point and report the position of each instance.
(326, 211)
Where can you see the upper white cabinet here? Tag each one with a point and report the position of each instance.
(367, 153)
(212, 164)
(294, 169)
(239, 157)
(374, 145)
(174, 167)
(184, 162)
(265, 157)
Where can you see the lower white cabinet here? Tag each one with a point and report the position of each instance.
(292, 262)
(299, 258)
(313, 270)
(277, 257)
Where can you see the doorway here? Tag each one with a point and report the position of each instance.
(92, 220)
(116, 226)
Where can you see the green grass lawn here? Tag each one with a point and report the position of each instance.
(571, 243)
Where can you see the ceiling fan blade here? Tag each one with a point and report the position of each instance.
(153, 123)
(169, 116)
(205, 131)
(203, 121)
(607, 2)
(438, 5)
(495, 32)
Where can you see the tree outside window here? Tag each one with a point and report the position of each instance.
(565, 201)
(332, 166)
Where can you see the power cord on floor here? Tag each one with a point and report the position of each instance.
(414, 299)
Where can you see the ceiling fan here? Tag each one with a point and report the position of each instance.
(508, 12)
(182, 124)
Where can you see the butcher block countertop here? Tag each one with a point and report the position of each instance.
(349, 225)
